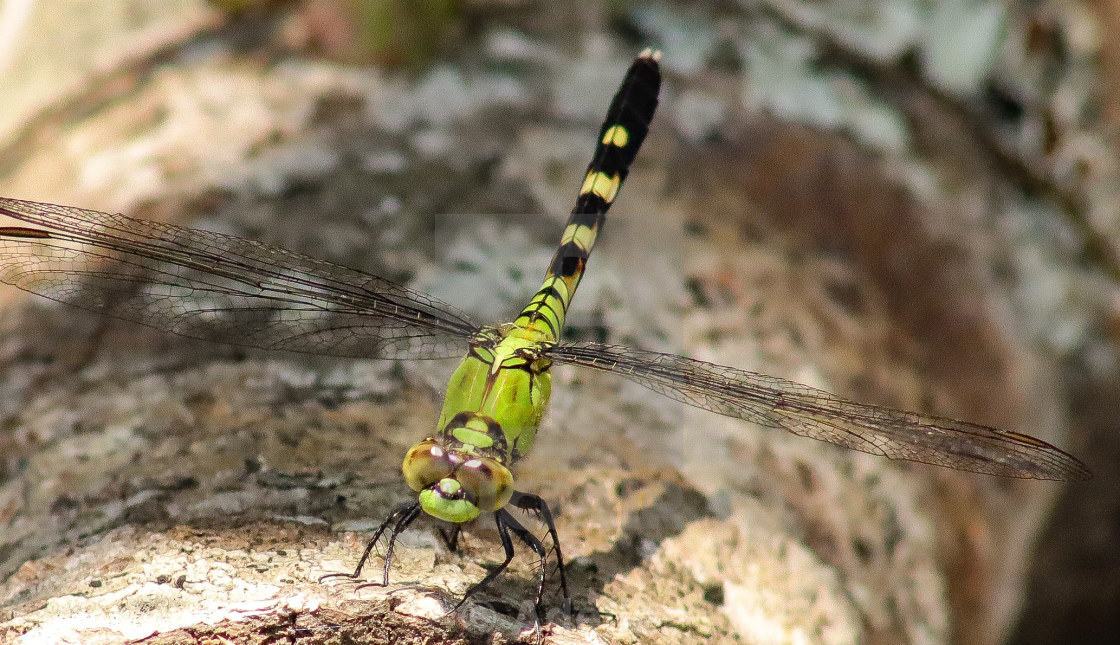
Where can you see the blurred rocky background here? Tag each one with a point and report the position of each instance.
(907, 203)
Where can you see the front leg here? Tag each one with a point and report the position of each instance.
(401, 517)
(501, 517)
(536, 504)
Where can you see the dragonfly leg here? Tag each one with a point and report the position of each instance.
(401, 517)
(536, 504)
(535, 544)
(409, 515)
(506, 523)
(452, 540)
(500, 518)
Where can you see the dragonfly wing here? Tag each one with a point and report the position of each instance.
(809, 412)
(207, 285)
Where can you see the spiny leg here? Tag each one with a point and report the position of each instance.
(535, 544)
(403, 515)
(536, 504)
(452, 540)
(500, 518)
(507, 523)
(411, 513)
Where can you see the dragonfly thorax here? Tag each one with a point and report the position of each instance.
(503, 385)
(494, 403)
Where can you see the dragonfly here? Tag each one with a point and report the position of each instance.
(218, 287)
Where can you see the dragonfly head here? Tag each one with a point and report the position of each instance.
(455, 485)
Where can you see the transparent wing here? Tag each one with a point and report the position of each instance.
(219, 287)
(809, 412)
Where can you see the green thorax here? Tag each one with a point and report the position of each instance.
(498, 394)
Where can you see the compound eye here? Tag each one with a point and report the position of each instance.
(425, 464)
(487, 482)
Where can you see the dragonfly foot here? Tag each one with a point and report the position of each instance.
(348, 576)
(568, 609)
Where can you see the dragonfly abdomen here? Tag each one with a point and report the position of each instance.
(620, 138)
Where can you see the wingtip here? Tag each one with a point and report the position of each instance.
(1079, 472)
